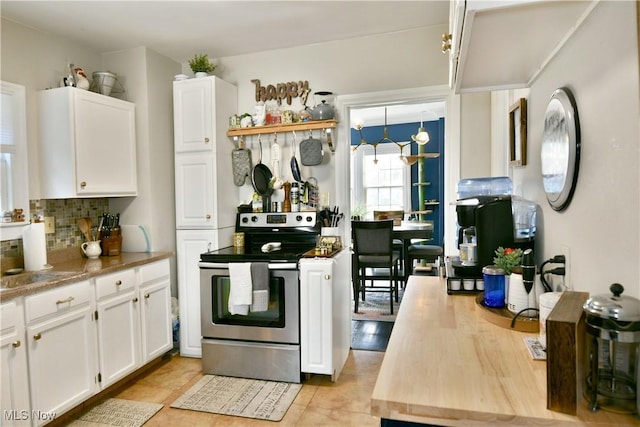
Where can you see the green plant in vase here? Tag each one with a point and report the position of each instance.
(201, 64)
(508, 259)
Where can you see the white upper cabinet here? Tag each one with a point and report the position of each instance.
(499, 45)
(205, 196)
(87, 145)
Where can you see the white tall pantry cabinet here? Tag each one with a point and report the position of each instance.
(206, 202)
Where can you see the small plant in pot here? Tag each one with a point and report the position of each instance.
(201, 66)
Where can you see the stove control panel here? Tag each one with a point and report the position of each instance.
(279, 219)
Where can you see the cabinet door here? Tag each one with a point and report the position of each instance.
(62, 361)
(189, 245)
(105, 145)
(118, 336)
(155, 311)
(14, 382)
(193, 115)
(194, 191)
(316, 326)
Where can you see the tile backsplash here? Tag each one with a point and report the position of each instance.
(65, 212)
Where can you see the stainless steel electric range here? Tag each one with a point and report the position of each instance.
(264, 344)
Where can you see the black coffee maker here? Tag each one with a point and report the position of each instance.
(489, 221)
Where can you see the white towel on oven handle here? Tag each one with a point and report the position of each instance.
(260, 281)
(241, 288)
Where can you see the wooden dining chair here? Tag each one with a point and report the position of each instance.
(373, 250)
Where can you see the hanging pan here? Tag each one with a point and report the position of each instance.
(261, 176)
(295, 168)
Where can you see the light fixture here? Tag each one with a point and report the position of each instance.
(385, 138)
(422, 137)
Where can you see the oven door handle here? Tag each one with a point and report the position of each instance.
(272, 266)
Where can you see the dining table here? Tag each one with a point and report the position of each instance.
(408, 231)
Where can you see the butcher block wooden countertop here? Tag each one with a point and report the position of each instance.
(446, 365)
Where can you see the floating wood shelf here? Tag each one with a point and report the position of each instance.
(429, 155)
(421, 184)
(279, 128)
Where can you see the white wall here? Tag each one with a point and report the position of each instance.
(37, 61)
(407, 59)
(475, 131)
(601, 226)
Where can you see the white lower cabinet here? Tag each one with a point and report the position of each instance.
(189, 245)
(155, 310)
(134, 319)
(14, 391)
(80, 339)
(325, 318)
(118, 325)
(61, 349)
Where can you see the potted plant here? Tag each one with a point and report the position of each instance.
(201, 66)
(508, 259)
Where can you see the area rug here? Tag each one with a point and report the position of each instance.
(376, 307)
(370, 335)
(118, 412)
(264, 400)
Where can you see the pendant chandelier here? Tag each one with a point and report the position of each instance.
(420, 138)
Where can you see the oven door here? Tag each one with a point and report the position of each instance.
(278, 324)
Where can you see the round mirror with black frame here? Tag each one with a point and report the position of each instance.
(560, 151)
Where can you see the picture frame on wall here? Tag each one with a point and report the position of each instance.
(518, 133)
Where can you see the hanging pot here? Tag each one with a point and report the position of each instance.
(261, 176)
(295, 168)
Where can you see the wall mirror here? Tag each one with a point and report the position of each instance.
(560, 152)
(14, 180)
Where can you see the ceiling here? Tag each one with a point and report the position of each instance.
(179, 29)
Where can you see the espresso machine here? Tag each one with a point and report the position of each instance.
(490, 222)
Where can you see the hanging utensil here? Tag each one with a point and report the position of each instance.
(275, 163)
(295, 168)
(311, 153)
(261, 176)
(240, 163)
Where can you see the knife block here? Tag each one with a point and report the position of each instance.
(112, 244)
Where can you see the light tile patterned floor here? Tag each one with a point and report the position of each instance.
(319, 403)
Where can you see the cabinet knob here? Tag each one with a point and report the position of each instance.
(118, 282)
(146, 296)
(327, 276)
(135, 299)
(446, 37)
(37, 336)
(206, 140)
(208, 216)
(83, 184)
(15, 344)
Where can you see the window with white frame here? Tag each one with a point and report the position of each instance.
(381, 185)
(14, 184)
